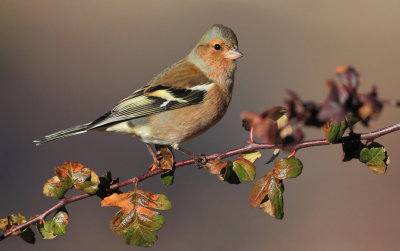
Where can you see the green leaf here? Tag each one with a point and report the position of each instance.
(59, 223)
(45, 232)
(288, 168)
(28, 235)
(374, 155)
(244, 169)
(69, 175)
(275, 190)
(229, 175)
(140, 236)
(167, 177)
(136, 221)
(57, 226)
(55, 187)
(336, 131)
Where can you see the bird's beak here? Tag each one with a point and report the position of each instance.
(233, 54)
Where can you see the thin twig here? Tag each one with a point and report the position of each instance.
(250, 147)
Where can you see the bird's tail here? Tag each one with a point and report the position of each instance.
(62, 134)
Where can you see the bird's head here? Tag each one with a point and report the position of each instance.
(217, 51)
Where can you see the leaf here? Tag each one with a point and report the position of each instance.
(374, 155)
(167, 177)
(266, 193)
(215, 166)
(69, 175)
(244, 169)
(229, 174)
(274, 113)
(243, 166)
(167, 160)
(264, 127)
(336, 130)
(251, 156)
(44, 231)
(371, 106)
(28, 235)
(7, 224)
(260, 190)
(135, 219)
(349, 77)
(333, 108)
(300, 111)
(57, 226)
(106, 181)
(275, 190)
(287, 168)
(351, 150)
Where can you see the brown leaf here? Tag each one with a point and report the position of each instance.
(264, 128)
(349, 77)
(260, 190)
(215, 166)
(167, 161)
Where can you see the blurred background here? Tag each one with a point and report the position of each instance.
(63, 63)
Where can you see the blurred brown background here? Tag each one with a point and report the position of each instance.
(66, 62)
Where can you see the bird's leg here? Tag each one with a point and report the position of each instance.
(199, 159)
(154, 155)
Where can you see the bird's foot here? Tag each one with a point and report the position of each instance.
(200, 160)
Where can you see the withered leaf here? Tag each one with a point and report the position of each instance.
(349, 77)
(167, 160)
(8, 224)
(69, 175)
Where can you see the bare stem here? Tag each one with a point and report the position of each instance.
(249, 147)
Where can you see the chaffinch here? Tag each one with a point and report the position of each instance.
(181, 102)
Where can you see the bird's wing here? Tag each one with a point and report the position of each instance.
(153, 99)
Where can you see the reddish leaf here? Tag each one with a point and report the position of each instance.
(260, 190)
(69, 175)
(349, 77)
(135, 219)
(215, 166)
(264, 127)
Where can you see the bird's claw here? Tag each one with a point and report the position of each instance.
(200, 160)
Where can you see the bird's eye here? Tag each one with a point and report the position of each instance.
(217, 47)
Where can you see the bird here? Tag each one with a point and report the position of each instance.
(180, 103)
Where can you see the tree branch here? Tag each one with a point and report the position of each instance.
(250, 147)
